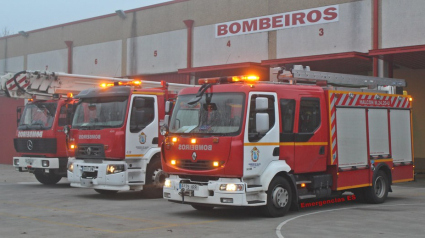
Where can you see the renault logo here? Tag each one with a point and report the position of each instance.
(88, 151)
(30, 145)
(194, 156)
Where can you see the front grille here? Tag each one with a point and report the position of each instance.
(29, 145)
(197, 165)
(90, 151)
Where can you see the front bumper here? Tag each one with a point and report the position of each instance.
(24, 164)
(98, 179)
(208, 193)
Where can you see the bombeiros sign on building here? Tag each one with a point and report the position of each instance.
(279, 21)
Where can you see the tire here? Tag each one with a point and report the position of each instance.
(155, 178)
(378, 192)
(202, 207)
(47, 178)
(279, 198)
(106, 192)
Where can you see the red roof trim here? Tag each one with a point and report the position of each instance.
(397, 50)
(99, 17)
(345, 55)
(220, 67)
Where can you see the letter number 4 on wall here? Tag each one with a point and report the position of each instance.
(228, 44)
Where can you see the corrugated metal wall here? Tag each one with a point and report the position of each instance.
(8, 128)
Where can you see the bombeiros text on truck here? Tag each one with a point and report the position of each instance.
(237, 141)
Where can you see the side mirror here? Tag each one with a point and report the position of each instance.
(163, 130)
(261, 103)
(66, 129)
(167, 119)
(167, 107)
(262, 122)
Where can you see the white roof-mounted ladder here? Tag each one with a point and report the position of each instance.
(301, 75)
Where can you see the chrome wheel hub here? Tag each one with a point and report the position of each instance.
(280, 197)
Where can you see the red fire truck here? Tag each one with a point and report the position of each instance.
(236, 141)
(40, 140)
(115, 136)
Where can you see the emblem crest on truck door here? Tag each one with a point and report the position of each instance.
(255, 154)
(142, 138)
(194, 156)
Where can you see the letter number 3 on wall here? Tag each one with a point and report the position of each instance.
(321, 32)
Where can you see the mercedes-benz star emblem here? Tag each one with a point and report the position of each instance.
(88, 151)
(194, 156)
(30, 145)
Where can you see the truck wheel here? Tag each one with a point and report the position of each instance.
(106, 192)
(47, 178)
(155, 178)
(378, 192)
(202, 207)
(279, 198)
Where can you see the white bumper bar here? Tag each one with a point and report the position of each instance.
(209, 193)
(94, 176)
(25, 163)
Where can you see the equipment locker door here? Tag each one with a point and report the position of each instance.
(142, 128)
(311, 137)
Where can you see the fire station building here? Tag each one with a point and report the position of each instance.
(183, 40)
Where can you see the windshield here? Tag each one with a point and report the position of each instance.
(38, 116)
(98, 113)
(218, 113)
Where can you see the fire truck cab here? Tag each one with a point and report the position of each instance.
(238, 142)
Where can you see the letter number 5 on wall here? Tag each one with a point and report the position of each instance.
(155, 53)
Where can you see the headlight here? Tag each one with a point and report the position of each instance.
(231, 187)
(115, 168)
(45, 163)
(167, 183)
(16, 162)
(71, 167)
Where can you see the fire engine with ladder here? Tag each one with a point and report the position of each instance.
(40, 140)
(237, 141)
(45, 139)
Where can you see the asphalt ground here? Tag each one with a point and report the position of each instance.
(29, 209)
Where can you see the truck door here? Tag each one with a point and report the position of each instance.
(311, 137)
(142, 128)
(259, 146)
(287, 135)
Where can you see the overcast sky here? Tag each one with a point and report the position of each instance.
(27, 15)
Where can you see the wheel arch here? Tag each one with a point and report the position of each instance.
(282, 169)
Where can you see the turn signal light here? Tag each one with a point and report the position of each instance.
(173, 162)
(410, 99)
(216, 163)
(70, 95)
(174, 139)
(303, 185)
(193, 141)
(72, 146)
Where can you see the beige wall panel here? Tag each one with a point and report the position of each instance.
(351, 33)
(415, 87)
(103, 59)
(56, 61)
(276, 6)
(209, 50)
(170, 47)
(402, 23)
(11, 65)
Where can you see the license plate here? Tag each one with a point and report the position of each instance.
(88, 169)
(187, 186)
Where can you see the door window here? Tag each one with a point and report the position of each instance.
(309, 119)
